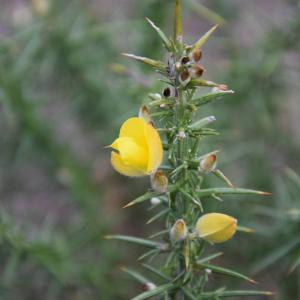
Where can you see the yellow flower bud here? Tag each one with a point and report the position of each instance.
(215, 227)
(138, 150)
(208, 164)
(179, 231)
(159, 182)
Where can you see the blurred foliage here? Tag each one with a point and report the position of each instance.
(63, 90)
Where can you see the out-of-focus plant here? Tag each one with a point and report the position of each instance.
(177, 185)
(283, 223)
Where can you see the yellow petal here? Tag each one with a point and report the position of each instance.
(216, 228)
(132, 154)
(155, 148)
(120, 167)
(135, 128)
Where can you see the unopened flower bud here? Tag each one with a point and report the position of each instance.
(159, 181)
(179, 231)
(197, 70)
(216, 227)
(155, 201)
(197, 55)
(185, 77)
(208, 163)
(149, 286)
(144, 113)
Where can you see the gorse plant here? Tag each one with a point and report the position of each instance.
(177, 184)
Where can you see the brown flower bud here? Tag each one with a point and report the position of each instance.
(185, 59)
(185, 77)
(144, 113)
(159, 182)
(197, 55)
(208, 164)
(198, 70)
(179, 231)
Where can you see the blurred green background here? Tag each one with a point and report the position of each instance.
(64, 91)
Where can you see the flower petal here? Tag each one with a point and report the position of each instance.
(132, 154)
(120, 167)
(154, 147)
(135, 128)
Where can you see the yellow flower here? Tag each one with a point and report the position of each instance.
(139, 149)
(216, 228)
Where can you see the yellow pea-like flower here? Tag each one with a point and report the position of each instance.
(138, 150)
(216, 228)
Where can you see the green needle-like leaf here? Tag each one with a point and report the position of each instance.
(223, 191)
(202, 82)
(140, 278)
(149, 195)
(293, 176)
(143, 198)
(157, 291)
(138, 241)
(207, 98)
(177, 22)
(244, 229)
(276, 255)
(204, 38)
(210, 257)
(223, 177)
(157, 272)
(158, 215)
(189, 295)
(220, 270)
(227, 294)
(148, 61)
(295, 264)
(165, 40)
(206, 12)
(151, 253)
